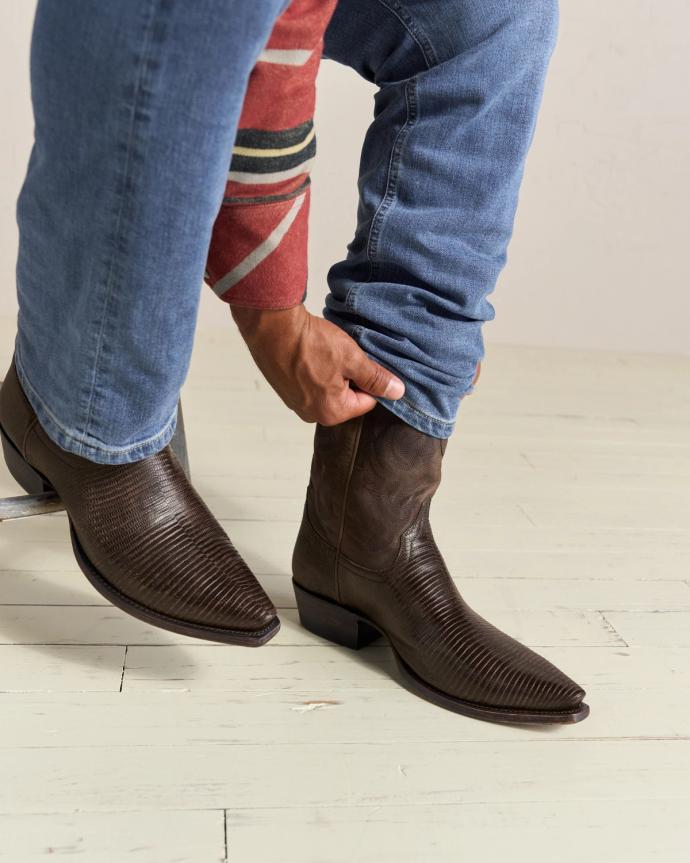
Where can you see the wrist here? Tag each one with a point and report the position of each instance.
(252, 322)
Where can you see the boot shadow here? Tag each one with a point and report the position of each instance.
(27, 630)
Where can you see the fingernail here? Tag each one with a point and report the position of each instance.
(394, 390)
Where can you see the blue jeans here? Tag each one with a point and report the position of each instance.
(460, 86)
(136, 106)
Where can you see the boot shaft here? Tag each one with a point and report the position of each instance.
(370, 479)
(16, 414)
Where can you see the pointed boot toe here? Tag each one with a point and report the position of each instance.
(493, 669)
(524, 684)
(550, 689)
(566, 697)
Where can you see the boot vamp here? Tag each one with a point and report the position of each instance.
(449, 645)
(144, 528)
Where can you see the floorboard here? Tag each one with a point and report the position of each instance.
(564, 516)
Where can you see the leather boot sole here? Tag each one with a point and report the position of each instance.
(34, 482)
(347, 627)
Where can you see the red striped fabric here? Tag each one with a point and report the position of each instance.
(258, 252)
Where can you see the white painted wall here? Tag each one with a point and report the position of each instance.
(599, 258)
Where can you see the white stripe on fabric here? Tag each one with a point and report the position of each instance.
(259, 153)
(261, 252)
(285, 57)
(265, 179)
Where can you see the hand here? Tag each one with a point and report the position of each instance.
(311, 364)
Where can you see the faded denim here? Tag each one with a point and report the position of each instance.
(460, 87)
(136, 106)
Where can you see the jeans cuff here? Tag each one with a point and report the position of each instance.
(85, 445)
(431, 426)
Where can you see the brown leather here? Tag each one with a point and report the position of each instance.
(366, 543)
(146, 533)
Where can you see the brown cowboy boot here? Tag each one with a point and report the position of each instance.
(141, 534)
(366, 564)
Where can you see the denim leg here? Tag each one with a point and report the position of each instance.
(136, 107)
(460, 83)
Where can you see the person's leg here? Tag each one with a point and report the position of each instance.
(136, 109)
(460, 86)
(136, 106)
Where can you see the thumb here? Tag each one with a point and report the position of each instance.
(374, 379)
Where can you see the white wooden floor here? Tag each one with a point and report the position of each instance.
(565, 514)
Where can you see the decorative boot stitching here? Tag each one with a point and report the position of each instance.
(343, 512)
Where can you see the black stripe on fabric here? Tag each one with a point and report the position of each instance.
(258, 139)
(270, 199)
(272, 164)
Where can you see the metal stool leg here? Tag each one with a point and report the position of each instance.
(179, 442)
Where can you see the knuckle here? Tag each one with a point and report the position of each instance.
(374, 378)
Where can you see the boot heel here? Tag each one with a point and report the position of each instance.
(29, 479)
(331, 621)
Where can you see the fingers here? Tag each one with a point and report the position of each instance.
(353, 403)
(357, 403)
(373, 378)
(350, 404)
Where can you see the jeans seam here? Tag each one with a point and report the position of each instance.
(422, 413)
(416, 33)
(352, 295)
(388, 199)
(125, 184)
